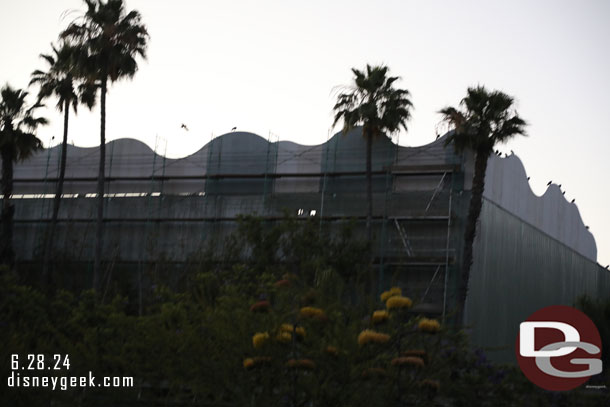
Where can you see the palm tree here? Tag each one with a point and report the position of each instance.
(60, 81)
(485, 119)
(373, 103)
(17, 142)
(111, 39)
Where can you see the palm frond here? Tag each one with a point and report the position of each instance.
(18, 124)
(485, 119)
(373, 103)
(111, 38)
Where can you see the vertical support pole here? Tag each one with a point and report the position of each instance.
(276, 149)
(265, 178)
(207, 228)
(384, 225)
(157, 224)
(324, 179)
(447, 251)
(44, 213)
(147, 229)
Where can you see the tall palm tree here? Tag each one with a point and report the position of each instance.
(60, 81)
(484, 120)
(112, 39)
(17, 142)
(373, 103)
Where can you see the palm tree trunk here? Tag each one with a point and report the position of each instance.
(58, 192)
(474, 211)
(7, 254)
(99, 245)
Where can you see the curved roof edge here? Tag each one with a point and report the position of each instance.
(506, 185)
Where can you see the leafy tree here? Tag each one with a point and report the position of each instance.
(483, 120)
(60, 81)
(374, 103)
(17, 142)
(235, 337)
(111, 39)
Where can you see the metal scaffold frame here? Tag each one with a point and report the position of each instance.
(339, 197)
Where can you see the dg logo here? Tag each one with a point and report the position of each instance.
(558, 348)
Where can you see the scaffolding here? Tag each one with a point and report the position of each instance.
(177, 205)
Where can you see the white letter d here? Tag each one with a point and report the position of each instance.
(526, 338)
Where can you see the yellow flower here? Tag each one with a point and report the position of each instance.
(312, 312)
(259, 339)
(284, 337)
(253, 362)
(408, 360)
(398, 302)
(290, 329)
(301, 363)
(369, 336)
(429, 325)
(394, 291)
(380, 316)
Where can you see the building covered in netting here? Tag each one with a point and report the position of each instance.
(529, 252)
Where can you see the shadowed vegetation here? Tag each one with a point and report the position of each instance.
(18, 141)
(110, 39)
(60, 81)
(483, 120)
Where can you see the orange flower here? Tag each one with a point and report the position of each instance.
(331, 350)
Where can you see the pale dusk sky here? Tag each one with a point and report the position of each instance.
(268, 65)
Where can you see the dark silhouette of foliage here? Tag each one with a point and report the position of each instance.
(60, 81)
(110, 39)
(483, 120)
(374, 103)
(197, 346)
(18, 141)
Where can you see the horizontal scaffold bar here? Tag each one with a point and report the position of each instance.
(229, 219)
(398, 172)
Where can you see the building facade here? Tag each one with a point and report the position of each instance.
(529, 252)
